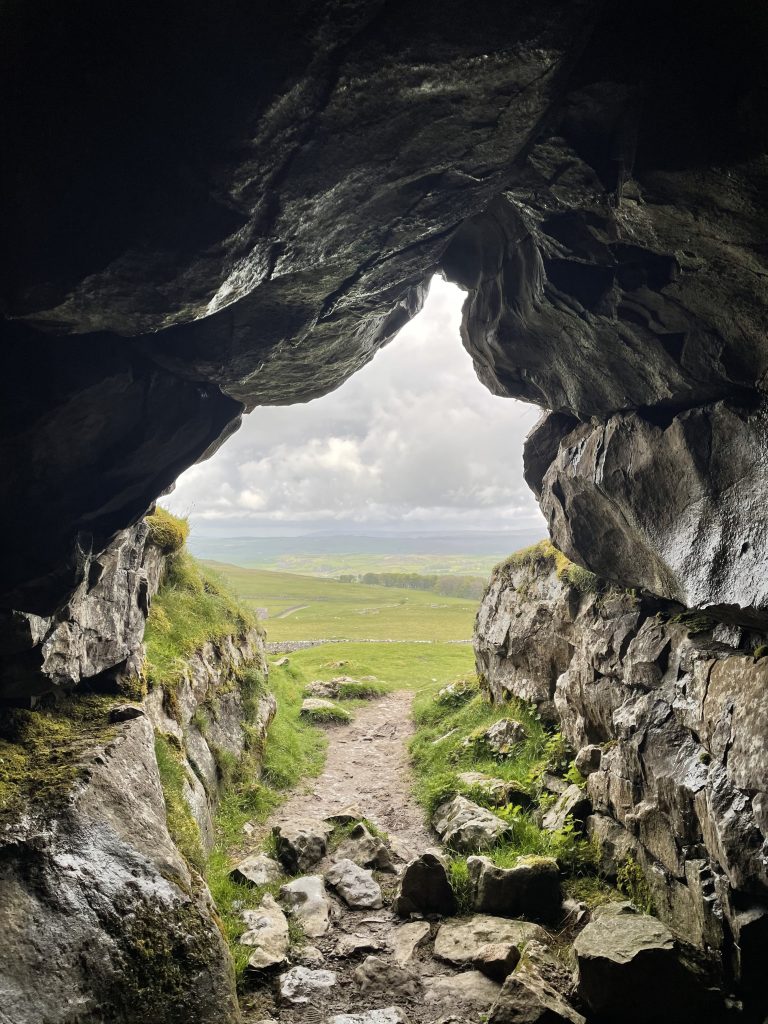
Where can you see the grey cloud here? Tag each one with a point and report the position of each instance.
(413, 438)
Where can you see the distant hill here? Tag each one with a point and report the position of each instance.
(469, 553)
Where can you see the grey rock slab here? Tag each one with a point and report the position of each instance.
(267, 932)
(356, 945)
(376, 975)
(386, 1015)
(629, 967)
(526, 998)
(588, 759)
(345, 816)
(356, 886)
(467, 827)
(462, 941)
(470, 989)
(301, 843)
(501, 738)
(573, 803)
(407, 938)
(302, 985)
(365, 849)
(499, 791)
(257, 869)
(306, 899)
(322, 690)
(529, 889)
(425, 888)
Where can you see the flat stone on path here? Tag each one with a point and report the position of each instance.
(302, 985)
(256, 869)
(378, 975)
(307, 901)
(267, 932)
(406, 939)
(462, 942)
(470, 989)
(530, 889)
(356, 886)
(388, 1015)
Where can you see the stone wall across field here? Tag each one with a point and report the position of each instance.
(674, 711)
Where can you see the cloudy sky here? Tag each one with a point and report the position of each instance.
(411, 443)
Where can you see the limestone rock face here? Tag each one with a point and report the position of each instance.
(680, 715)
(468, 990)
(110, 885)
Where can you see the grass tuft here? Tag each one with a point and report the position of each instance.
(166, 531)
(545, 553)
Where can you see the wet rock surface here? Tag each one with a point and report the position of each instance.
(662, 696)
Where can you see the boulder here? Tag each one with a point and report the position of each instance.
(305, 898)
(424, 887)
(500, 738)
(588, 759)
(526, 998)
(406, 940)
(498, 791)
(629, 968)
(345, 816)
(256, 869)
(302, 985)
(467, 941)
(267, 932)
(321, 689)
(356, 886)
(320, 707)
(387, 1015)
(366, 850)
(466, 827)
(375, 975)
(530, 889)
(301, 843)
(573, 803)
(496, 960)
(469, 990)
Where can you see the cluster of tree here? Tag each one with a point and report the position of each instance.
(447, 585)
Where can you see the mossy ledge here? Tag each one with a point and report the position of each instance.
(545, 553)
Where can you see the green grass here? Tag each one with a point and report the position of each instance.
(327, 715)
(167, 531)
(545, 552)
(181, 824)
(294, 749)
(192, 607)
(437, 767)
(312, 608)
(361, 691)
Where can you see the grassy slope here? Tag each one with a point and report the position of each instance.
(327, 609)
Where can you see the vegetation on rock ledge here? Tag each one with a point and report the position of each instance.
(545, 552)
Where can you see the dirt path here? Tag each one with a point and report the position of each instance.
(367, 766)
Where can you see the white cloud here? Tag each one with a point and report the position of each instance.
(412, 438)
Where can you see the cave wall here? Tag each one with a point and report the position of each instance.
(677, 706)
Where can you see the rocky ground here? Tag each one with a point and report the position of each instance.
(381, 937)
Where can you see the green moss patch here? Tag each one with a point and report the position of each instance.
(168, 532)
(192, 608)
(546, 554)
(44, 752)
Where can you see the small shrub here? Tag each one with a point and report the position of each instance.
(166, 531)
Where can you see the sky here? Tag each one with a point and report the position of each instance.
(411, 443)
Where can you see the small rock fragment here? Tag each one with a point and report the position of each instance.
(307, 901)
(302, 985)
(530, 889)
(527, 997)
(301, 843)
(267, 932)
(377, 975)
(388, 1015)
(573, 803)
(424, 887)
(356, 886)
(366, 850)
(467, 827)
(407, 938)
(256, 869)
(588, 759)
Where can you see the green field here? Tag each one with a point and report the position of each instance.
(296, 607)
(357, 564)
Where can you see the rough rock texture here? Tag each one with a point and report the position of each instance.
(465, 942)
(527, 998)
(530, 889)
(465, 826)
(365, 849)
(629, 966)
(256, 869)
(300, 843)
(469, 990)
(377, 976)
(94, 886)
(306, 899)
(301, 985)
(424, 887)
(267, 933)
(355, 885)
(681, 715)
